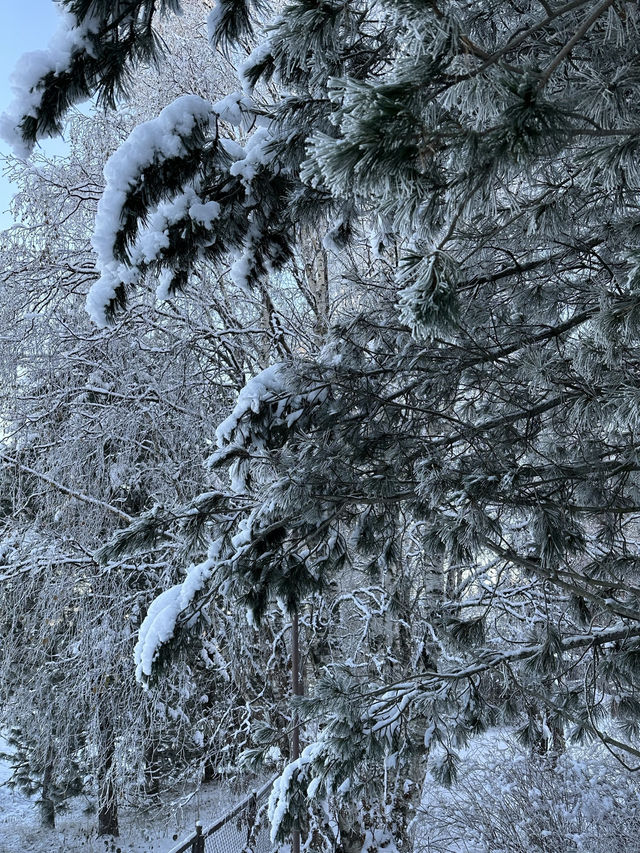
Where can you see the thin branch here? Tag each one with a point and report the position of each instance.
(80, 496)
(573, 41)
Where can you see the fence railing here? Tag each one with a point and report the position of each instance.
(244, 829)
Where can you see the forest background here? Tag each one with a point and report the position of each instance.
(378, 263)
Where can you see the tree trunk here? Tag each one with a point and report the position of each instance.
(151, 770)
(47, 806)
(108, 809)
(319, 285)
(107, 798)
(296, 689)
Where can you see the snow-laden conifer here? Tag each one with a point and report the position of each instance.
(467, 432)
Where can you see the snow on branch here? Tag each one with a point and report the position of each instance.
(92, 53)
(27, 80)
(160, 166)
(266, 405)
(265, 387)
(186, 210)
(283, 787)
(250, 70)
(236, 109)
(160, 622)
(157, 158)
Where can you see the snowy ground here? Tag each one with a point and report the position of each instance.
(505, 801)
(501, 804)
(155, 832)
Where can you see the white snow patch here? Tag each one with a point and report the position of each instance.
(240, 272)
(256, 154)
(153, 141)
(266, 386)
(235, 109)
(256, 57)
(205, 213)
(281, 791)
(164, 283)
(160, 622)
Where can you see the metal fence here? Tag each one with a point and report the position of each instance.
(244, 829)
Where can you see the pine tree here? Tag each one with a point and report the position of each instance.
(480, 384)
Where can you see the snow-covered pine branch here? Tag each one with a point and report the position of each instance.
(97, 47)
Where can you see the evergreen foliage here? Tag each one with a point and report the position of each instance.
(466, 431)
(105, 43)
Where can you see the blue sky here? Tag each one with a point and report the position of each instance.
(25, 25)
